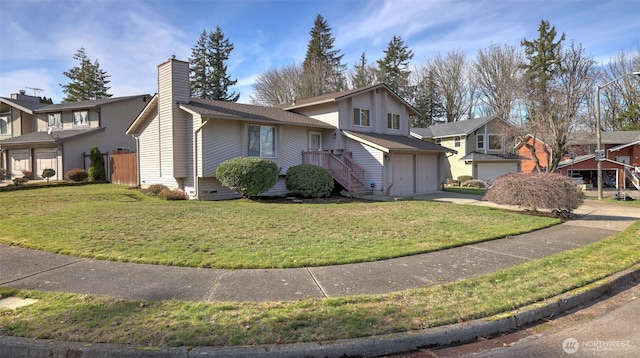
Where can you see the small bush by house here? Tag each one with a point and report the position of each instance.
(169, 194)
(535, 191)
(27, 174)
(474, 183)
(156, 189)
(77, 175)
(309, 180)
(48, 173)
(464, 178)
(248, 176)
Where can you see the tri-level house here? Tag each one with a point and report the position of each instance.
(484, 147)
(361, 136)
(38, 136)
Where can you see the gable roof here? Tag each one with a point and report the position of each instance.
(609, 137)
(338, 96)
(249, 112)
(582, 158)
(94, 103)
(460, 128)
(396, 143)
(484, 157)
(26, 106)
(53, 138)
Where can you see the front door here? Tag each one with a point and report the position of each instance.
(315, 141)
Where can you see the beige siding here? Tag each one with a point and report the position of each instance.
(221, 140)
(293, 142)
(371, 160)
(149, 158)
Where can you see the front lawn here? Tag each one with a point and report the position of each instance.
(113, 222)
(70, 317)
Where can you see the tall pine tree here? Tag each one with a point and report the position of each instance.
(87, 81)
(208, 77)
(363, 74)
(322, 69)
(394, 67)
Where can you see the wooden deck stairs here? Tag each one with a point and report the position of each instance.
(343, 169)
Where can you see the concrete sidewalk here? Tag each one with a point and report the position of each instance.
(30, 269)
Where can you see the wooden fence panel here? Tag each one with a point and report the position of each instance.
(124, 168)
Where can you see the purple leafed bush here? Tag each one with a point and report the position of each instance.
(536, 191)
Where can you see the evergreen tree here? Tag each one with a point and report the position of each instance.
(363, 74)
(96, 168)
(322, 69)
(208, 77)
(394, 67)
(428, 101)
(87, 81)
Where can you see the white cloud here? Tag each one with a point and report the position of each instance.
(14, 81)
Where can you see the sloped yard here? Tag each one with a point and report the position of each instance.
(113, 222)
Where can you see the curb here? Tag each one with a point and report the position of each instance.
(370, 346)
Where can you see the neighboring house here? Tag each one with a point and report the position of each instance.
(527, 163)
(361, 136)
(621, 158)
(60, 136)
(485, 151)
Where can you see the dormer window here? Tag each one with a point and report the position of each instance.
(361, 117)
(393, 121)
(81, 118)
(54, 120)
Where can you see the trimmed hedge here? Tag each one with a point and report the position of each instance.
(77, 175)
(248, 176)
(309, 180)
(464, 178)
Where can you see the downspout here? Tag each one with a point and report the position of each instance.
(195, 159)
(137, 139)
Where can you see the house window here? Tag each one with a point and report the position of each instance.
(393, 121)
(54, 120)
(480, 142)
(81, 118)
(456, 141)
(361, 117)
(496, 142)
(262, 141)
(4, 124)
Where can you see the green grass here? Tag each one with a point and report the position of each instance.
(112, 222)
(81, 318)
(470, 191)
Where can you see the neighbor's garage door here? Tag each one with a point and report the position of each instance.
(490, 171)
(403, 174)
(427, 176)
(45, 159)
(19, 160)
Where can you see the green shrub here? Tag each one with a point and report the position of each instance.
(248, 176)
(155, 189)
(309, 180)
(536, 191)
(169, 194)
(48, 173)
(76, 175)
(96, 168)
(464, 178)
(20, 181)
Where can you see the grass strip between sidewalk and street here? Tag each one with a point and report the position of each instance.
(72, 317)
(111, 222)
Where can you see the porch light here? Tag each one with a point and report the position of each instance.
(598, 134)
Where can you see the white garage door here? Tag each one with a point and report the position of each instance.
(19, 160)
(427, 174)
(403, 174)
(490, 171)
(45, 159)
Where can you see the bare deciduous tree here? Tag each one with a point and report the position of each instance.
(277, 86)
(498, 73)
(621, 96)
(451, 77)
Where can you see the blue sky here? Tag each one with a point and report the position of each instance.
(38, 38)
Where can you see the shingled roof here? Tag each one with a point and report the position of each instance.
(94, 103)
(26, 106)
(46, 138)
(396, 143)
(248, 112)
(451, 129)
